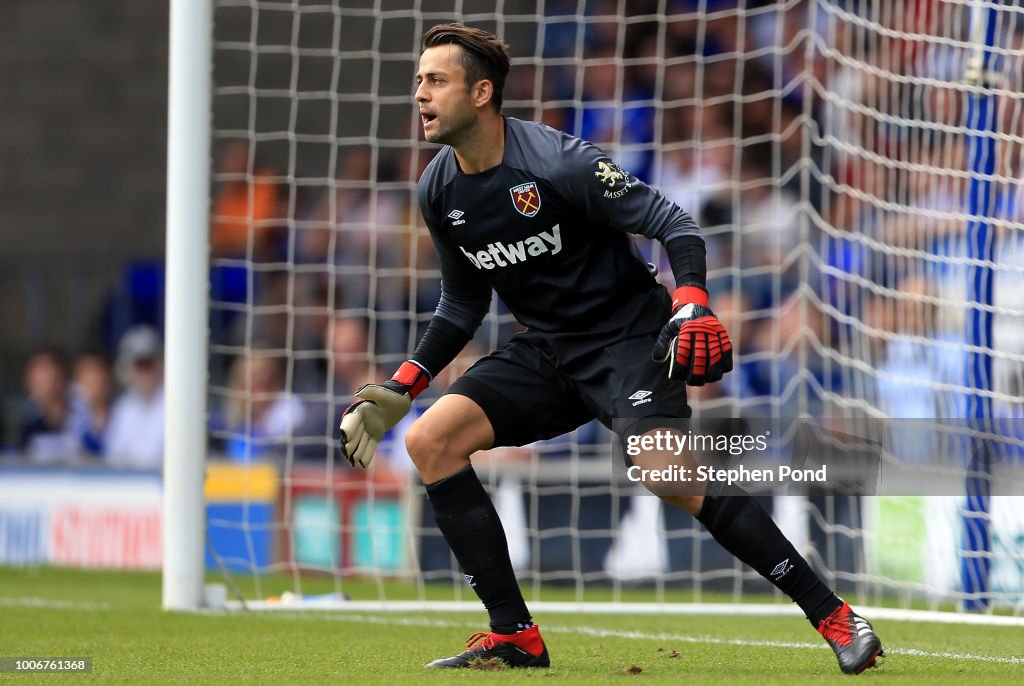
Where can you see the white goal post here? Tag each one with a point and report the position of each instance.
(188, 219)
(855, 166)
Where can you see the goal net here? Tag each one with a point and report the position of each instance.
(855, 168)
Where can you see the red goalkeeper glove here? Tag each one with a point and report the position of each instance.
(693, 341)
(380, 407)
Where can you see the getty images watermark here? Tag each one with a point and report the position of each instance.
(659, 443)
(687, 457)
(684, 457)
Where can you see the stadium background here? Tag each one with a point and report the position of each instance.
(84, 149)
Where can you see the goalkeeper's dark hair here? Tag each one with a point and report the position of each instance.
(484, 55)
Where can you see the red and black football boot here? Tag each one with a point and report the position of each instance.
(856, 645)
(523, 649)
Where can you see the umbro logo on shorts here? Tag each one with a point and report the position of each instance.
(641, 397)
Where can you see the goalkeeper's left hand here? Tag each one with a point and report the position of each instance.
(379, 408)
(694, 342)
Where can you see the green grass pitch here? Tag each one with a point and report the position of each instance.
(115, 618)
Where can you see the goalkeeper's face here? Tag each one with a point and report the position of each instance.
(446, 107)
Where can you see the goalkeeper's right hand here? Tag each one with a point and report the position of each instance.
(380, 407)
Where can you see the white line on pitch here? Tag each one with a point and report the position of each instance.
(618, 633)
(633, 609)
(51, 604)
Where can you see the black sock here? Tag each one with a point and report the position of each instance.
(743, 528)
(470, 524)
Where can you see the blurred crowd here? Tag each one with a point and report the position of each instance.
(827, 183)
(74, 411)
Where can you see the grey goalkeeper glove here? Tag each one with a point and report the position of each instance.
(380, 407)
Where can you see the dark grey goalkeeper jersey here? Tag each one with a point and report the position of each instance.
(547, 229)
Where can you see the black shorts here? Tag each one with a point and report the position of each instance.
(544, 385)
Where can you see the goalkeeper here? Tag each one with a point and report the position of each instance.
(543, 219)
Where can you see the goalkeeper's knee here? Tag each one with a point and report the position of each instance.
(435, 451)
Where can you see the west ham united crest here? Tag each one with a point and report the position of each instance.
(526, 198)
